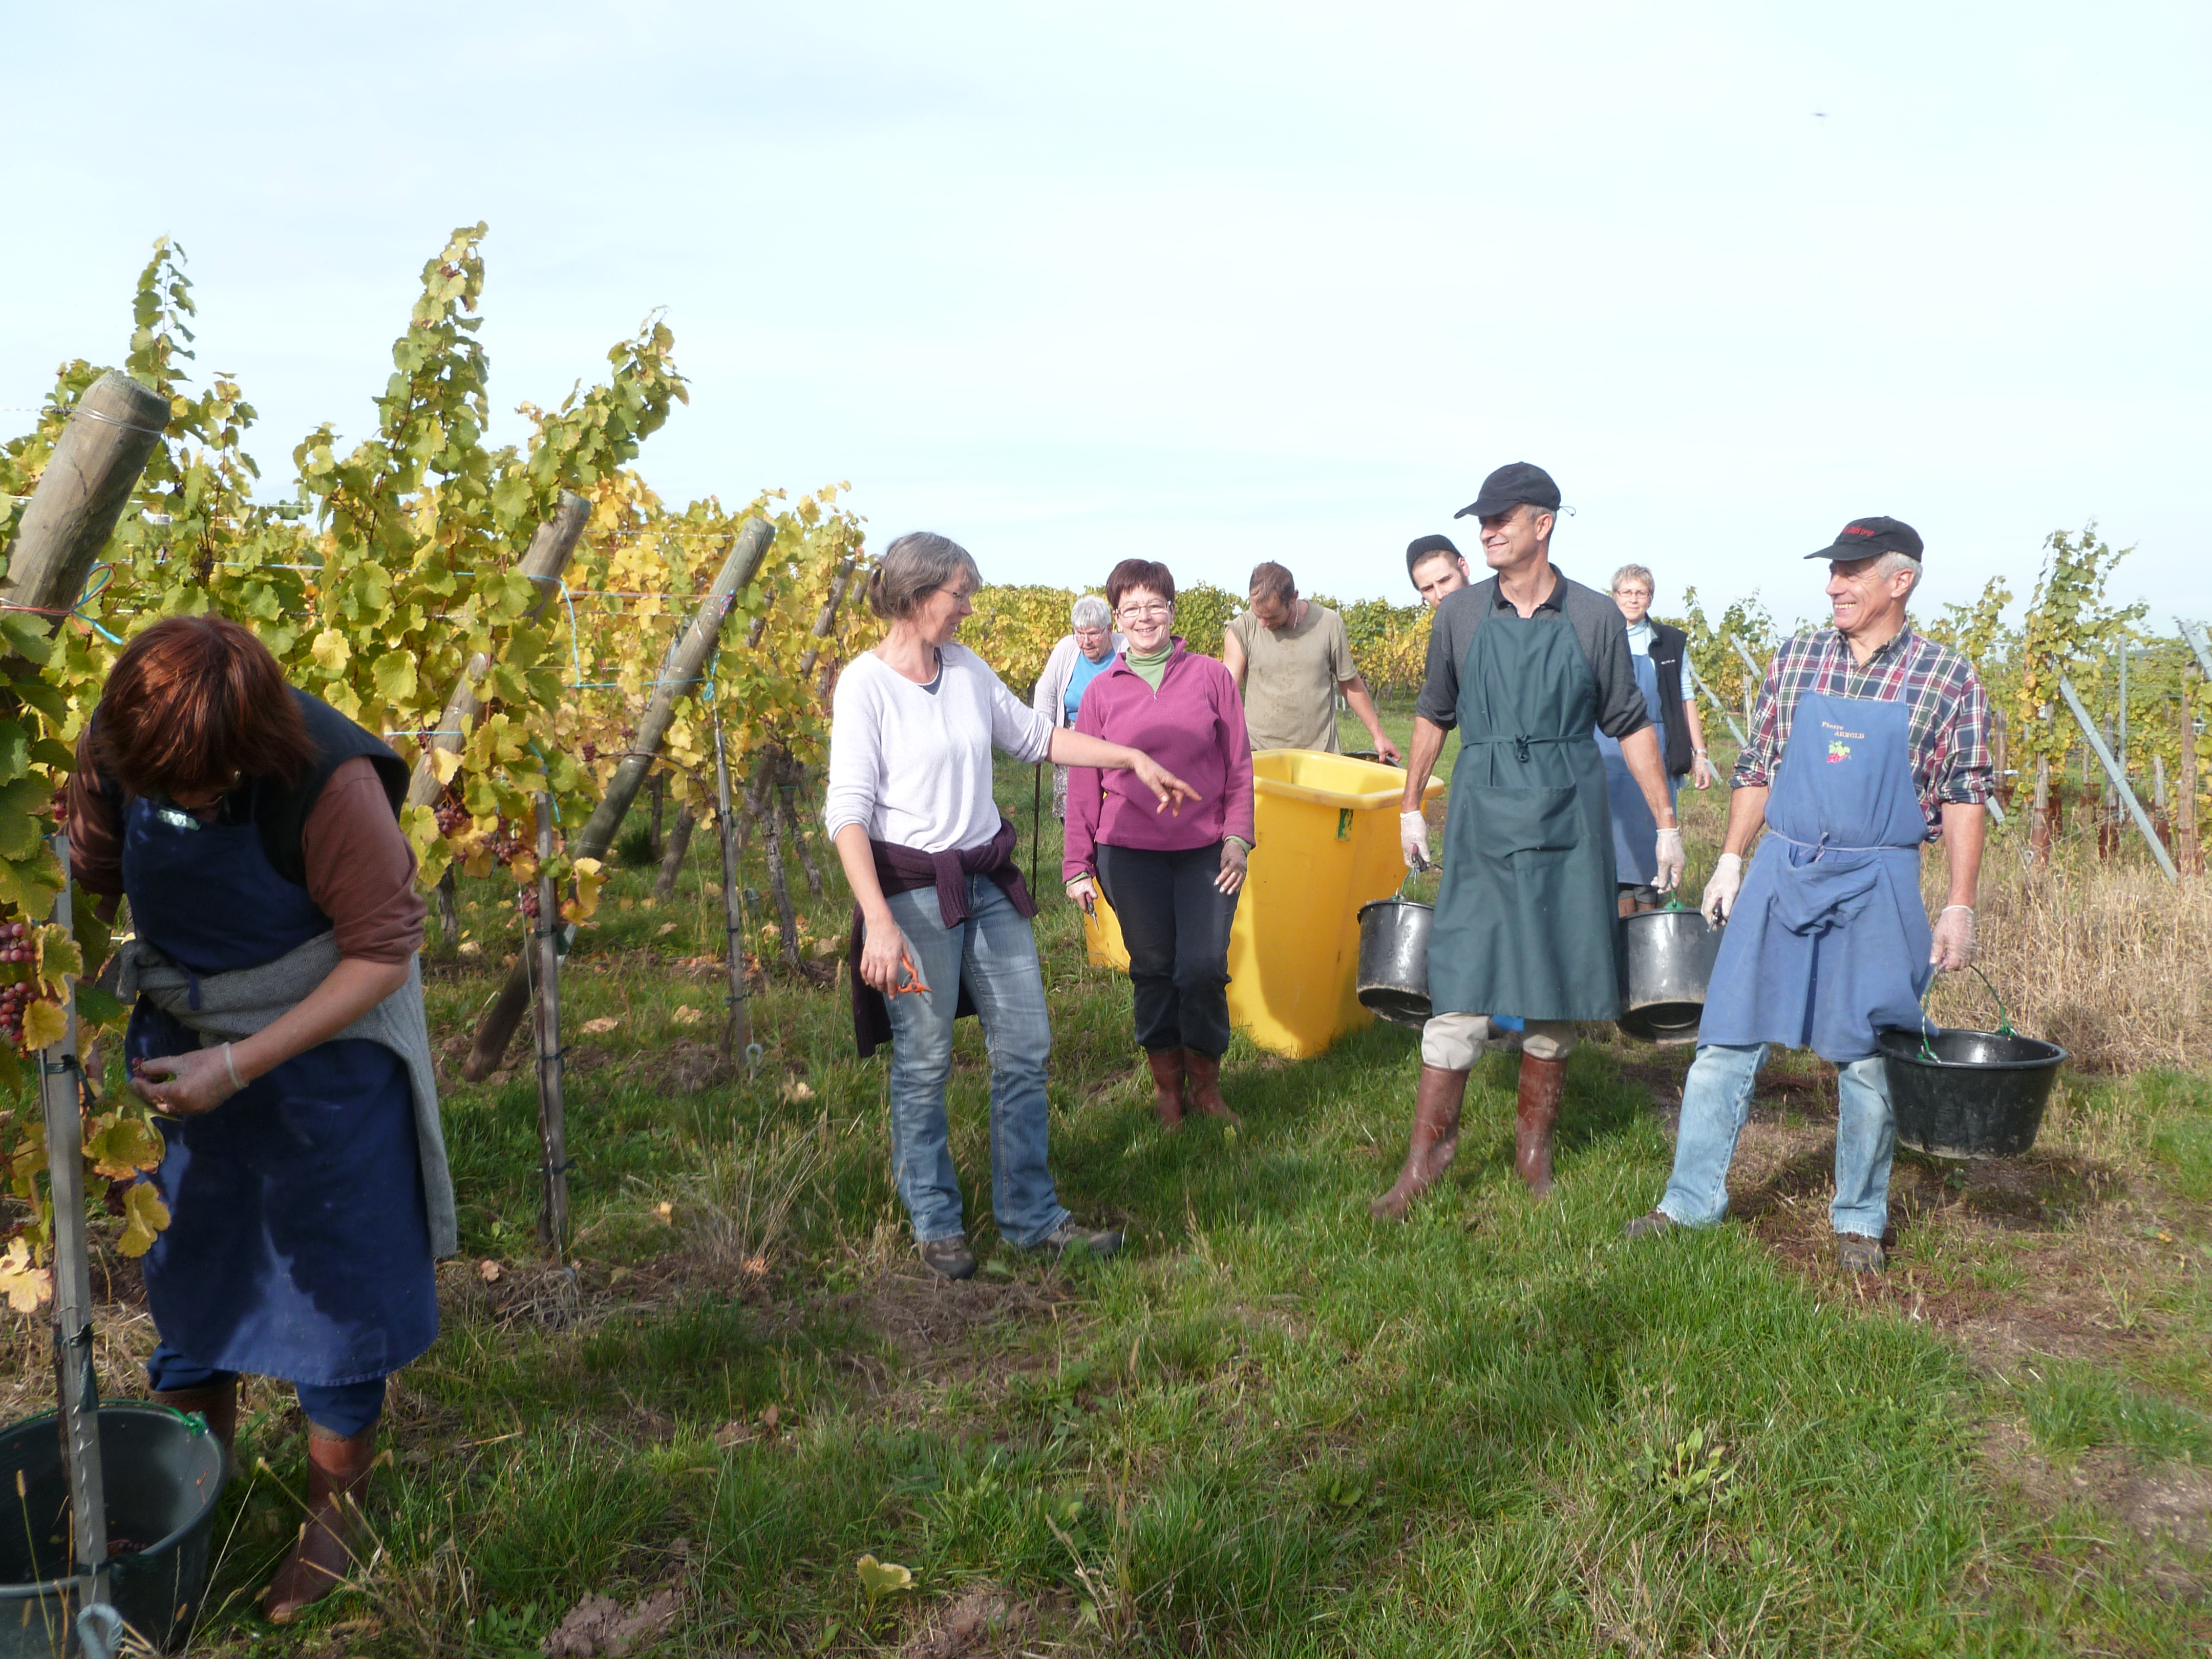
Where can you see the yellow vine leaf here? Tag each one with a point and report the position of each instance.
(145, 1216)
(444, 763)
(121, 1147)
(590, 876)
(24, 1285)
(331, 651)
(523, 866)
(44, 1022)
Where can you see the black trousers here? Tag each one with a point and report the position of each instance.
(1175, 923)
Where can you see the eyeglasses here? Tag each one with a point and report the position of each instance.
(963, 594)
(1144, 612)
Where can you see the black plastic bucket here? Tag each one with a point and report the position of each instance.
(1666, 962)
(163, 1471)
(1969, 1093)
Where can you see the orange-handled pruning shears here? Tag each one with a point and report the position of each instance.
(910, 979)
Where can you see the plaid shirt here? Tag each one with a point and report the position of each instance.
(1950, 720)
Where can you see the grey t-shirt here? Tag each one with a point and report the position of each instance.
(1599, 627)
(1291, 677)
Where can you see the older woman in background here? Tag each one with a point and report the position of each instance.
(1172, 882)
(1658, 649)
(941, 915)
(1079, 658)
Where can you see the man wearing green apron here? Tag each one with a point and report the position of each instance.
(1867, 740)
(1529, 667)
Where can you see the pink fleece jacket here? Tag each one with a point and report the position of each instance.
(1193, 725)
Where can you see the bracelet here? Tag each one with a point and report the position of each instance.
(1701, 754)
(230, 1065)
(1947, 908)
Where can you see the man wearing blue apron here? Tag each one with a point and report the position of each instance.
(1528, 666)
(1867, 740)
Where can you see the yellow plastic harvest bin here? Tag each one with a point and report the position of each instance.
(1327, 831)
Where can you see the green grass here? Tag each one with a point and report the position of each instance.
(1273, 1427)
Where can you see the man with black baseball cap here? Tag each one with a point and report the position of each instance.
(1528, 666)
(1867, 740)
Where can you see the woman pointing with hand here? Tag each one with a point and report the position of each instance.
(1173, 884)
(941, 915)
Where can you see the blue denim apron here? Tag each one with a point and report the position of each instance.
(298, 1245)
(1526, 915)
(1828, 942)
(1635, 831)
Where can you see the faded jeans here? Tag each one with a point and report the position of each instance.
(995, 953)
(1716, 1104)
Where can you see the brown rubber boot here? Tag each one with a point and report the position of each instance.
(1436, 1102)
(321, 1560)
(1204, 1088)
(1542, 1082)
(218, 1403)
(1167, 1085)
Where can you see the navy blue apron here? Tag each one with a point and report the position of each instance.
(1526, 915)
(1828, 942)
(298, 1245)
(1635, 831)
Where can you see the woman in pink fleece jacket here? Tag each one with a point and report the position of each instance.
(1172, 879)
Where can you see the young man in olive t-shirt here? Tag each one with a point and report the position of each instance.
(1290, 658)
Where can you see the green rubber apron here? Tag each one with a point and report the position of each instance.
(1526, 919)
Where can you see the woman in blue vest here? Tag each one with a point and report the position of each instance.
(278, 1029)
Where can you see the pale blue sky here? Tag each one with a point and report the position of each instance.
(1211, 282)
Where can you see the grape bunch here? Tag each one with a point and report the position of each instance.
(453, 818)
(15, 947)
(530, 902)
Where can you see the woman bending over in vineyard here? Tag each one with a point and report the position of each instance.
(1172, 882)
(940, 923)
(279, 1030)
(1079, 658)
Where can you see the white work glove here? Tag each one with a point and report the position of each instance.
(1671, 860)
(1413, 839)
(1955, 938)
(1701, 770)
(1084, 892)
(1720, 890)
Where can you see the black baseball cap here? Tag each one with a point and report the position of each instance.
(1514, 482)
(1861, 539)
(1427, 547)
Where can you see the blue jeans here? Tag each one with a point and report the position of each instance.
(340, 1410)
(1716, 1103)
(995, 953)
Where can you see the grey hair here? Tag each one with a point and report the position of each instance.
(1639, 572)
(1091, 611)
(914, 567)
(1892, 561)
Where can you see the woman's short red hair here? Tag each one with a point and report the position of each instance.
(194, 703)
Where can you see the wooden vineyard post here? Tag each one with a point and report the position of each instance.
(671, 857)
(542, 565)
(680, 669)
(544, 955)
(2038, 827)
(83, 492)
(76, 1384)
(2114, 776)
(737, 1034)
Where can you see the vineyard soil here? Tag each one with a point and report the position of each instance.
(1274, 1427)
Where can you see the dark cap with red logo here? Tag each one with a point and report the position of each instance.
(1861, 539)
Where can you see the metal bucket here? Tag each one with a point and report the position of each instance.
(163, 1472)
(1666, 962)
(1394, 960)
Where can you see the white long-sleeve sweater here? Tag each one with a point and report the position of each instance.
(913, 766)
